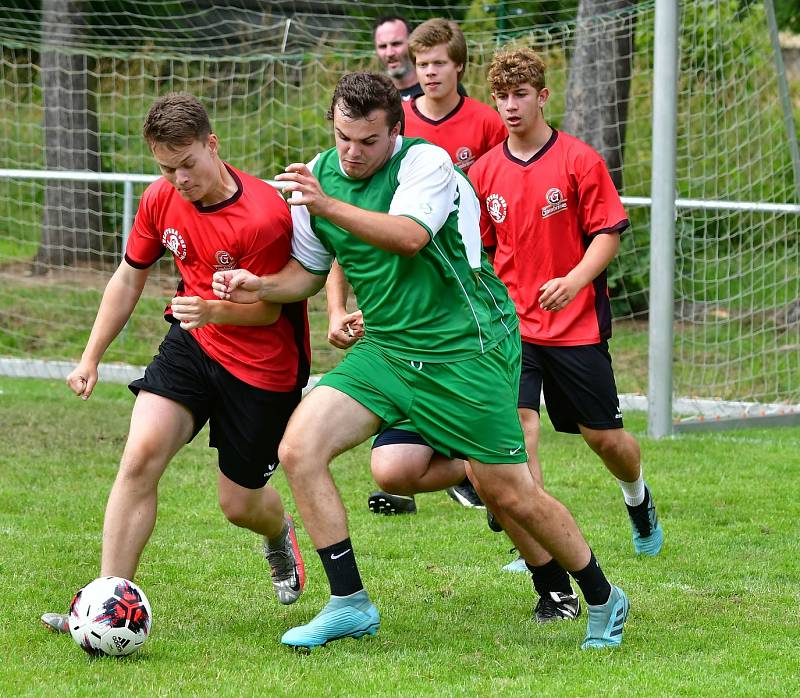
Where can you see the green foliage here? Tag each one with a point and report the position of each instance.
(453, 624)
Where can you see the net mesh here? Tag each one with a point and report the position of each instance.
(266, 72)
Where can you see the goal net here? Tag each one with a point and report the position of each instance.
(77, 78)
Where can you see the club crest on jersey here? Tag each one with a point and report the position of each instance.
(224, 260)
(464, 157)
(173, 241)
(497, 207)
(555, 202)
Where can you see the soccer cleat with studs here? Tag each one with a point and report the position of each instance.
(648, 536)
(606, 622)
(557, 606)
(56, 622)
(385, 503)
(286, 567)
(338, 620)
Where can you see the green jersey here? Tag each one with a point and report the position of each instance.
(433, 307)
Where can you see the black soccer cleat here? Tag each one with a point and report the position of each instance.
(466, 495)
(557, 606)
(385, 503)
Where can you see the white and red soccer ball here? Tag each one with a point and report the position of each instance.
(110, 616)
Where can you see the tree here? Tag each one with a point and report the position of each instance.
(71, 225)
(600, 78)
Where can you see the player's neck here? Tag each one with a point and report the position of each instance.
(224, 188)
(436, 109)
(408, 80)
(524, 146)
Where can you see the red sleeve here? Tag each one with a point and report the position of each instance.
(488, 237)
(599, 207)
(144, 246)
(272, 244)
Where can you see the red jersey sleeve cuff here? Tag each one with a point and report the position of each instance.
(142, 265)
(624, 224)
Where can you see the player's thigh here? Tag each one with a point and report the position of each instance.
(159, 428)
(326, 423)
(247, 424)
(467, 409)
(394, 461)
(579, 388)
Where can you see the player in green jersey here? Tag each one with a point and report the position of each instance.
(387, 208)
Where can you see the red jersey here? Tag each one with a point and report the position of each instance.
(252, 230)
(540, 217)
(466, 133)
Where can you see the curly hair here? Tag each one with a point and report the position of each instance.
(514, 67)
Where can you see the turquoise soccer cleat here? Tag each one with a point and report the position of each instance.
(339, 619)
(607, 621)
(648, 536)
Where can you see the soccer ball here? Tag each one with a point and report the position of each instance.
(110, 616)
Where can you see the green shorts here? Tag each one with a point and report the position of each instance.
(464, 408)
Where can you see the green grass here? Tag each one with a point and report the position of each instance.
(715, 615)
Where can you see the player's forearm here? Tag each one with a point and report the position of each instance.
(397, 234)
(602, 249)
(248, 314)
(336, 290)
(292, 283)
(116, 307)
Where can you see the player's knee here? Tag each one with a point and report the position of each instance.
(609, 444)
(141, 468)
(236, 509)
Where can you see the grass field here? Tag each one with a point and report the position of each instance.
(715, 615)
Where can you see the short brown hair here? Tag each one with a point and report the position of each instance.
(439, 31)
(514, 67)
(359, 94)
(176, 119)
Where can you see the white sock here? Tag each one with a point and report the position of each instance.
(633, 492)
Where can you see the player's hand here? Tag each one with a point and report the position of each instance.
(192, 311)
(237, 285)
(558, 293)
(83, 379)
(305, 187)
(345, 330)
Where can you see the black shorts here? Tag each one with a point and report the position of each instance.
(246, 423)
(578, 385)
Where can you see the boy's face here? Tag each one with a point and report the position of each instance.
(364, 144)
(436, 72)
(521, 106)
(192, 169)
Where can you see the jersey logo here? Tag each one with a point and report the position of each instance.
(497, 207)
(224, 260)
(555, 202)
(173, 241)
(464, 157)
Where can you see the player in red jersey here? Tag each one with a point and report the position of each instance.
(464, 127)
(553, 218)
(239, 367)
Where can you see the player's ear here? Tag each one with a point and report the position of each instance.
(544, 94)
(395, 130)
(213, 143)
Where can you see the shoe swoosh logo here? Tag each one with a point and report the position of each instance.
(334, 556)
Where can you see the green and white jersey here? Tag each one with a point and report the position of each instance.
(494, 290)
(430, 307)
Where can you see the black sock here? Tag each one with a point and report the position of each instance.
(550, 577)
(339, 562)
(593, 583)
(466, 482)
(641, 508)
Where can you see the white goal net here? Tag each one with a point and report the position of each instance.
(77, 78)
